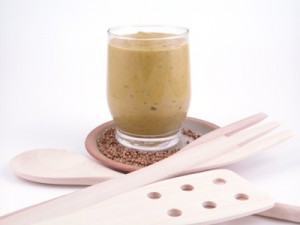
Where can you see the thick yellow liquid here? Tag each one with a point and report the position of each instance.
(148, 87)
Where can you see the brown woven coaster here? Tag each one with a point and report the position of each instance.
(112, 149)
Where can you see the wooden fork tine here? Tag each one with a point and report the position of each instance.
(225, 143)
(243, 152)
(266, 142)
(249, 135)
(230, 129)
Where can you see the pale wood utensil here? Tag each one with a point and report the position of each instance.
(204, 198)
(214, 145)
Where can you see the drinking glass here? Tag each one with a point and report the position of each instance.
(148, 84)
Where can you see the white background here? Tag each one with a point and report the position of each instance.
(245, 59)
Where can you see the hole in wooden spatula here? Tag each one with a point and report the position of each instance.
(241, 197)
(154, 195)
(209, 205)
(219, 181)
(187, 187)
(174, 212)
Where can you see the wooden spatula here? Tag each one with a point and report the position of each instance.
(203, 198)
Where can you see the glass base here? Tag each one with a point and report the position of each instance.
(147, 143)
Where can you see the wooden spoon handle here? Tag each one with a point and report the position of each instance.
(283, 212)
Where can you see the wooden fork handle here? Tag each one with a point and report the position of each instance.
(283, 212)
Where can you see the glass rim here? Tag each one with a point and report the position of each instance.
(184, 31)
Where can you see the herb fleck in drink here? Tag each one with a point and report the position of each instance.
(148, 86)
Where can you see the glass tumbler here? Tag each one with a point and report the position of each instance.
(148, 84)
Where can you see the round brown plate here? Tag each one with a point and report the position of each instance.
(199, 126)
